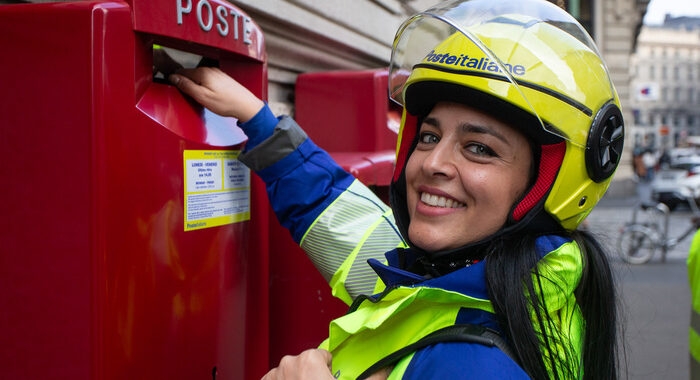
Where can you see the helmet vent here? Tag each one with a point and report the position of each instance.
(605, 141)
(582, 202)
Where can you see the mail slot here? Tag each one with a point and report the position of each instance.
(134, 243)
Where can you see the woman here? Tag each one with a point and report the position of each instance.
(510, 134)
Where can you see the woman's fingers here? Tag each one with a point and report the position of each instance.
(326, 356)
(310, 364)
(197, 75)
(188, 86)
(218, 92)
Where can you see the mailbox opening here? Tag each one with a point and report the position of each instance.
(167, 60)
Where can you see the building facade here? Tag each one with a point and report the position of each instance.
(665, 73)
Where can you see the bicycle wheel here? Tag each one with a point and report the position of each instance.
(636, 244)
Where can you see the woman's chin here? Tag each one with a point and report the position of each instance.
(429, 244)
(435, 241)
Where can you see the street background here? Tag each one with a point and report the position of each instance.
(654, 297)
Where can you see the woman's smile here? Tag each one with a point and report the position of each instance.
(464, 176)
(440, 201)
(434, 202)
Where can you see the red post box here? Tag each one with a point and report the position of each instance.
(134, 245)
(348, 114)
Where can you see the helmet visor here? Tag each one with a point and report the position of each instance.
(528, 52)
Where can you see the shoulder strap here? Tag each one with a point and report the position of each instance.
(467, 333)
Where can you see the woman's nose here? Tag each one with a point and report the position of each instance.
(440, 161)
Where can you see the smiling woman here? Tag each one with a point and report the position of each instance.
(495, 169)
(468, 169)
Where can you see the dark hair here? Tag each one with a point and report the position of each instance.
(512, 273)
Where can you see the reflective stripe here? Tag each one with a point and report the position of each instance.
(357, 226)
(286, 138)
(361, 278)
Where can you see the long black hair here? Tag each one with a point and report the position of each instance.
(513, 273)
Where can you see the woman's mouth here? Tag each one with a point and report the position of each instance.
(440, 201)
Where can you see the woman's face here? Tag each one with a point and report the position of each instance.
(463, 177)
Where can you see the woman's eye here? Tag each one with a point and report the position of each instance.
(428, 138)
(481, 150)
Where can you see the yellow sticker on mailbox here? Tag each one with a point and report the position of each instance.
(217, 188)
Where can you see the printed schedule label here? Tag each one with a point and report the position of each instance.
(217, 188)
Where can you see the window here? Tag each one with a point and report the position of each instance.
(691, 120)
(677, 94)
(664, 94)
(651, 72)
(675, 72)
(664, 72)
(691, 95)
(664, 119)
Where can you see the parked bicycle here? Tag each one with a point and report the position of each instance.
(648, 232)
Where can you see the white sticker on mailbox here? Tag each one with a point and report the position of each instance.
(217, 189)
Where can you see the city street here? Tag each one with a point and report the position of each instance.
(655, 297)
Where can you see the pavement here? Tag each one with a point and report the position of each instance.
(655, 297)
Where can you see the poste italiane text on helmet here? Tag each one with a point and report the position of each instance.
(526, 61)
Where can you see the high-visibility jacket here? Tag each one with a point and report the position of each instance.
(342, 226)
(694, 331)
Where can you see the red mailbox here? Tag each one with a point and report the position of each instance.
(134, 245)
(348, 114)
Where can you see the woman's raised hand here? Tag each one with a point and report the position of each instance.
(218, 92)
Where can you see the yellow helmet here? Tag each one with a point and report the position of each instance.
(526, 61)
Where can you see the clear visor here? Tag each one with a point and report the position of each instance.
(529, 52)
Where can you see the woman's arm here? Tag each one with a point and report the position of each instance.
(336, 220)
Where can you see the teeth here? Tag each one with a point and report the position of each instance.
(437, 201)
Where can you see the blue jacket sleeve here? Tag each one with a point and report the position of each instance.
(302, 185)
(338, 221)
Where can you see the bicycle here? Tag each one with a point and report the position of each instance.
(639, 240)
